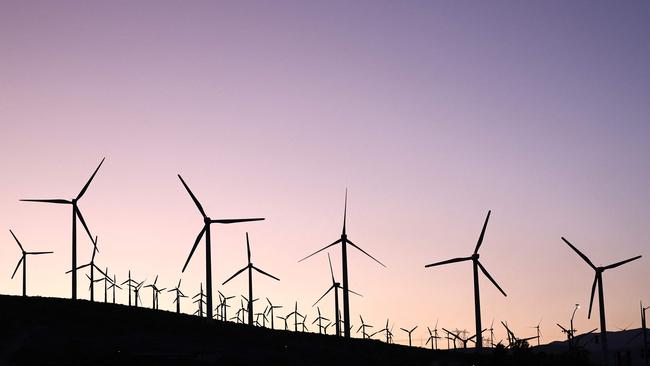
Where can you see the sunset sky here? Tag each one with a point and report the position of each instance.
(431, 113)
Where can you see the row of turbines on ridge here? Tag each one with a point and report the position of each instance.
(343, 326)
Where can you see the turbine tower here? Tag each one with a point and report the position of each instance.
(476, 264)
(76, 214)
(23, 261)
(250, 267)
(207, 221)
(344, 243)
(598, 280)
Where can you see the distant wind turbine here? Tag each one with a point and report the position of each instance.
(409, 333)
(250, 267)
(23, 261)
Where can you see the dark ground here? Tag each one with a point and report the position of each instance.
(53, 331)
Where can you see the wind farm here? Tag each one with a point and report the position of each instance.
(210, 144)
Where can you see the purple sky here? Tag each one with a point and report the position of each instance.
(431, 113)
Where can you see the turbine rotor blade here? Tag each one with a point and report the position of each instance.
(480, 238)
(264, 273)
(235, 275)
(454, 260)
(320, 298)
(356, 293)
(318, 251)
(59, 201)
(621, 263)
(196, 243)
(234, 221)
(593, 290)
(37, 253)
(485, 272)
(584, 257)
(83, 190)
(83, 223)
(331, 270)
(196, 201)
(364, 252)
(17, 265)
(17, 241)
(248, 248)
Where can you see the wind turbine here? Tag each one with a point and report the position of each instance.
(250, 267)
(344, 243)
(207, 221)
(539, 333)
(107, 281)
(224, 305)
(336, 286)
(179, 294)
(92, 267)
(363, 327)
(295, 314)
(114, 285)
(409, 333)
(131, 284)
(598, 280)
(154, 293)
(319, 319)
(284, 318)
(200, 300)
(76, 214)
(384, 330)
(271, 309)
(476, 264)
(433, 337)
(136, 292)
(23, 261)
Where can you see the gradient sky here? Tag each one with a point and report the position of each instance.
(431, 113)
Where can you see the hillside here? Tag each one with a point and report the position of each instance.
(45, 331)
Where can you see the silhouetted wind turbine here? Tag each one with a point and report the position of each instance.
(154, 293)
(199, 299)
(539, 333)
(130, 283)
(107, 281)
(598, 280)
(23, 261)
(295, 314)
(319, 319)
(271, 309)
(363, 327)
(250, 267)
(344, 243)
(384, 330)
(76, 213)
(476, 264)
(207, 221)
(92, 267)
(433, 337)
(284, 318)
(136, 292)
(409, 333)
(114, 285)
(336, 286)
(224, 313)
(178, 296)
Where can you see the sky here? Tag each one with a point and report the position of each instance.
(430, 113)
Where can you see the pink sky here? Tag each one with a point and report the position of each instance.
(430, 114)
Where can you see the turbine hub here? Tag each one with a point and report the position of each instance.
(74, 201)
(475, 256)
(206, 220)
